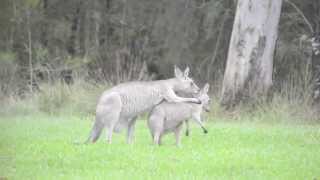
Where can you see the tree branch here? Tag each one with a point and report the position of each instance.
(301, 13)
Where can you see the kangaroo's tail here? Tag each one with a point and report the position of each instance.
(95, 132)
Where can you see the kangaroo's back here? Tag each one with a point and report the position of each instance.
(175, 111)
(137, 97)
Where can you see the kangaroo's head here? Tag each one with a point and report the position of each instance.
(204, 97)
(184, 82)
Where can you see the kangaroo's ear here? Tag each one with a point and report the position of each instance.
(186, 72)
(177, 72)
(206, 88)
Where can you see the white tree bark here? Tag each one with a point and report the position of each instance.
(250, 58)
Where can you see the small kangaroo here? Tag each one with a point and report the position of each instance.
(169, 117)
(119, 106)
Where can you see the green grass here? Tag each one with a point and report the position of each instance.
(42, 147)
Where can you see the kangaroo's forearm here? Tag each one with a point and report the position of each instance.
(172, 97)
(192, 100)
(180, 99)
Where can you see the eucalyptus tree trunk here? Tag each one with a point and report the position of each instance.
(316, 68)
(248, 73)
(28, 12)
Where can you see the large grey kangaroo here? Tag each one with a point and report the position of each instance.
(119, 106)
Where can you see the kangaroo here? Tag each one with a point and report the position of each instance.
(119, 106)
(169, 117)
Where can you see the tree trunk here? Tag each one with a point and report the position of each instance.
(248, 73)
(30, 51)
(45, 24)
(316, 68)
(314, 16)
(72, 43)
(83, 36)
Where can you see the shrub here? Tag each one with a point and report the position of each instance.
(80, 97)
(8, 70)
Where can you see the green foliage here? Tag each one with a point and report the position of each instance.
(289, 105)
(5, 13)
(7, 58)
(64, 35)
(56, 98)
(32, 3)
(8, 74)
(52, 99)
(41, 55)
(76, 62)
(37, 146)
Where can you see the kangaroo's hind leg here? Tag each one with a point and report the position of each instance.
(110, 126)
(177, 133)
(130, 132)
(110, 109)
(187, 127)
(155, 124)
(156, 138)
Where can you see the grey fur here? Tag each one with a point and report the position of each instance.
(119, 106)
(169, 117)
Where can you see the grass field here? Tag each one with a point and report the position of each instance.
(42, 147)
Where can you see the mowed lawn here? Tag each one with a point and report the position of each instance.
(44, 147)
